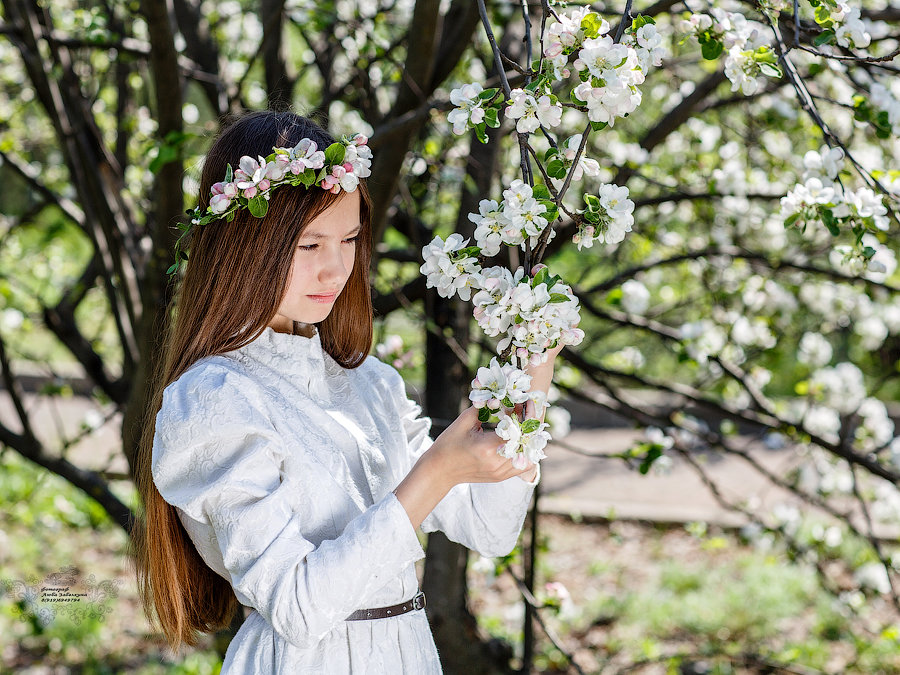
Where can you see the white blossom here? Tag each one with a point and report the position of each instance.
(448, 270)
(815, 350)
(468, 107)
(824, 164)
(840, 387)
(533, 112)
(490, 223)
(635, 297)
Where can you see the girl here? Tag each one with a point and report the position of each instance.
(283, 469)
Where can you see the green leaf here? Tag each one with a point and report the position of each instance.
(334, 154)
(229, 174)
(592, 201)
(558, 297)
(258, 206)
(529, 426)
(556, 168)
(591, 25)
(308, 177)
(765, 54)
(540, 191)
(480, 133)
(597, 126)
(824, 38)
(484, 414)
(490, 118)
(467, 252)
(770, 70)
(540, 277)
(550, 154)
(830, 222)
(822, 14)
(791, 219)
(172, 268)
(552, 212)
(711, 49)
(640, 20)
(488, 94)
(652, 455)
(166, 154)
(868, 252)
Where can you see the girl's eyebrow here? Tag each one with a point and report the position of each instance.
(319, 235)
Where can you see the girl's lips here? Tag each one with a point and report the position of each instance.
(324, 298)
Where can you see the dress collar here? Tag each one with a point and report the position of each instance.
(298, 358)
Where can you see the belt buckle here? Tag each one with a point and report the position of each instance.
(418, 601)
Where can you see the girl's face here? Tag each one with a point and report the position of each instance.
(322, 264)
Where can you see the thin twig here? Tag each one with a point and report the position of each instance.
(551, 635)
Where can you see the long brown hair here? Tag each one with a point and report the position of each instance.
(235, 279)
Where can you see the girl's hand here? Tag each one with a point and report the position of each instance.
(463, 453)
(469, 453)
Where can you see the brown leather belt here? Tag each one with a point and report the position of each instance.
(417, 602)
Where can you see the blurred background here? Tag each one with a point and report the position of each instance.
(721, 493)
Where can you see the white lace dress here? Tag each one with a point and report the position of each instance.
(281, 464)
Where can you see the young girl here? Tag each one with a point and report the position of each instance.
(282, 468)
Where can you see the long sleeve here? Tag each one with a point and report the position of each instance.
(218, 458)
(484, 517)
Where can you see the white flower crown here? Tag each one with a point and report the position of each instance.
(339, 167)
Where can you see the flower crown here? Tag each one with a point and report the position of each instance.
(339, 167)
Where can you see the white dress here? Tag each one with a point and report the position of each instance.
(281, 464)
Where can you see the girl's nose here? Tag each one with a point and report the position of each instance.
(333, 268)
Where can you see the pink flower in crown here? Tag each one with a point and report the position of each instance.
(278, 168)
(360, 159)
(249, 176)
(222, 194)
(339, 178)
(306, 155)
(359, 139)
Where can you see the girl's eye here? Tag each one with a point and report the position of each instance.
(310, 247)
(351, 240)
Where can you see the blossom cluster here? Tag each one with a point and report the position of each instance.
(747, 55)
(842, 23)
(522, 216)
(561, 159)
(451, 266)
(533, 314)
(610, 72)
(608, 217)
(497, 390)
(822, 198)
